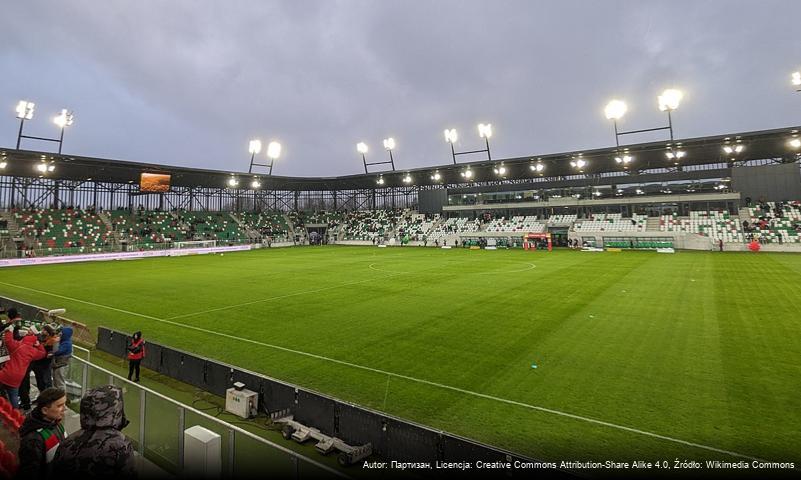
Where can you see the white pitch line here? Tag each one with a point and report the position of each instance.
(530, 267)
(372, 267)
(405, 377)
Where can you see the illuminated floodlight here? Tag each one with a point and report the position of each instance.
(538, 167)
(670, 99)
(485, 130)
(407, 179)
(640, 192)
(25, 110)
(733, 150)
(273, 150)
(678, 154)
(64, 119)
(596, 193)
(796, 79)
(361, 147)
(467, 173)
(3, 164)
(255, 184)
(254, 147)
(794, 143)
(624, 159)
(578, 163)
(389, 143)
(51, 167)
(436, 177)
(41, 167)
(615, 110)
(233, 182)
(380, 180)
(500, 170)
(451, 136)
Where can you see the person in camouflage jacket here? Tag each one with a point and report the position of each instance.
(99, 449)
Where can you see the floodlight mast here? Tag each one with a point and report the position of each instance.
(389, 145)
(273, 152)
(484, 131)
(25, 111)
(667, 102)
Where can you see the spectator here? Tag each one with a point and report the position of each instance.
(136, 352)
(98, 449)
(61, 358)
(22, 352)
(41, 433)
(13, 315)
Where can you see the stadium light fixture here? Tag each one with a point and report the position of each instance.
(389, 143)
(380, 180)
(500, 170)
(255, 184)
(41, 167)
(615, 110)
(537, 167)
(484, 131)
(794, 143)
(361, 147)
(63, 119)
(436, 176)
(467, 174)
(233, 182)
(3, 163)
(407, 179)
(668, 101)
(25, 110)
(624, 159)
(273, 152)
(579, 163)
(733, 149)
(796, 79)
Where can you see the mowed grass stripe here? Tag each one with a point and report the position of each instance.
(449, 323)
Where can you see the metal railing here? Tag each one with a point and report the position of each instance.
(157, 425)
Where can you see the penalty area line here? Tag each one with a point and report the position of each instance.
(405, 377)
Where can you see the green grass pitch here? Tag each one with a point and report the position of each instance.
(639, 355)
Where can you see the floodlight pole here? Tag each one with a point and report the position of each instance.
(669, 127)
(19, 135)
(254, 164)
(391, 162)
(487, 150)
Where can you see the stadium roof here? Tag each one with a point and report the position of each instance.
(766, 144)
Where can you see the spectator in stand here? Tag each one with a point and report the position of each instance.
(136, 352)
(41, 434)
(14, 316)
(720, 244)
(22, 352)
(98, 449)
(61, 358)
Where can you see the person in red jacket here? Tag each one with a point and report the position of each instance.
(22, 353)
(136, 352)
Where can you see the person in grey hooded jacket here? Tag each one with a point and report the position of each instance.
(99, 449)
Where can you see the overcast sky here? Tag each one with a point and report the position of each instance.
(190, 82)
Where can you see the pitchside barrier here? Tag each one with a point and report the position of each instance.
(391, 438)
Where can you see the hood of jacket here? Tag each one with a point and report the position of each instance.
(102, 407)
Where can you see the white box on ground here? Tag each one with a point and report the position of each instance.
(202, 453)
(241, 402)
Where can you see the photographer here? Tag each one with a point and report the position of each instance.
(22, 352)
(42, 369)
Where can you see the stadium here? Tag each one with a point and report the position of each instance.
(628, 310)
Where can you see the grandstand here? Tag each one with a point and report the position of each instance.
(424, 335)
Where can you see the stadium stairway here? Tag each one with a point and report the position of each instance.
(652, 224)
(115, 235)
(253, 235)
